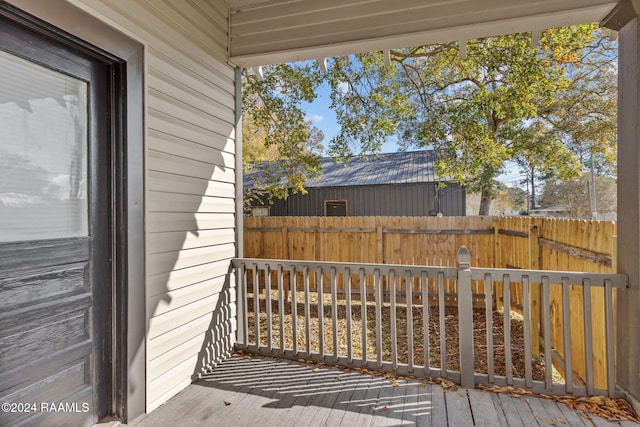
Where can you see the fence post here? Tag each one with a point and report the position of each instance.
(497, 263)
(465, 319)
(496, 245)
(380, 243)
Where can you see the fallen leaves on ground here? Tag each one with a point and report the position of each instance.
(450, 333)
(390, 376)
(226, 403)
(445, 384)
(605, 407)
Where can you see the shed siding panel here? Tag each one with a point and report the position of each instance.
(378, 200)
(190, 148)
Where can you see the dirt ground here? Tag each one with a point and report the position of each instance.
(516, 346)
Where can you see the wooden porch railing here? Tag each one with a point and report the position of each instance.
(389, 318)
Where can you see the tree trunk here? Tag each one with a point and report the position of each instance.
(485, 204)
(533, 194)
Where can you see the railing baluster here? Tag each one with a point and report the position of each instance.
(267, 291)
(347, 273)
(566, 328)
(334, 311)
(425, 322)
(307, 313)
(443, 326)
(256, 305)
(548, 355)
(409, 315)
(488, 304)
(508, 362)
(610, 339)
(588, 334)
(294, 307)
(393, 320)
(378, 299)
(526, 301)
(385, 279)
(243, 309)
(363, 315)
(320, 281)
(281, 305)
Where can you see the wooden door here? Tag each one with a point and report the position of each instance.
(55, 216)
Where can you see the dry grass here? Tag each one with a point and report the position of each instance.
(451, 333)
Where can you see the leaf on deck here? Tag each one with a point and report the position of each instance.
(601, 406)
(446, 384)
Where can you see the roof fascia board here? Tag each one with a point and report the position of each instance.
(621, 14)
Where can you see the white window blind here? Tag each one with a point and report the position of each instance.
(43, 152)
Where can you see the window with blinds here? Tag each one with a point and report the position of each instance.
(43, 152)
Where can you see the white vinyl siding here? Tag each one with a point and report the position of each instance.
(190, 183)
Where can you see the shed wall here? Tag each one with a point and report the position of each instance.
(377, 200)
(189, 190)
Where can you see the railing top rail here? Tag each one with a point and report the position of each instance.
(496, 274)
(552, 276)
(354, 267)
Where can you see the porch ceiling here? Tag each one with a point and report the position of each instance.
(275, 31)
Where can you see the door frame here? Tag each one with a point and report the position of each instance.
(70, 25)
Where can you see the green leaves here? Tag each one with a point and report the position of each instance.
(278, 139)
(475, 111)
(546, 107)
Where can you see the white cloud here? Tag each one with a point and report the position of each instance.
(316, 118)
(344, 87)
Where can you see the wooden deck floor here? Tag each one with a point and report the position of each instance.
(258, 391)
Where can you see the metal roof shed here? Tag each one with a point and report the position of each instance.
(389, 184)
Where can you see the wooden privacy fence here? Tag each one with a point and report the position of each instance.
(494, 242)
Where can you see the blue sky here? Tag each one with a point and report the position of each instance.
(324, 118)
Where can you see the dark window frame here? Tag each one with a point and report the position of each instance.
(344, 202)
